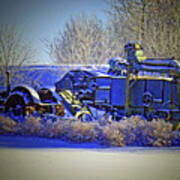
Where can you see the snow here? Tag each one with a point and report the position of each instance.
(71, 162)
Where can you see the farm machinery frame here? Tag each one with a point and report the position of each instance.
(135, 85)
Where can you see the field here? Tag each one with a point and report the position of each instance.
(36, 158)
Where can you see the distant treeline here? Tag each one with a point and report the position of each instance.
(155, 24)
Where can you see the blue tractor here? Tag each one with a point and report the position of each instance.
(23, 100)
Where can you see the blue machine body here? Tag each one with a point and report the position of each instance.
(150, 87)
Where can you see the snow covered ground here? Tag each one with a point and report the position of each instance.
(30, 158)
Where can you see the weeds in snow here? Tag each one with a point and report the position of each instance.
(132, 131)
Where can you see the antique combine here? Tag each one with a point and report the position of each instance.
(135, 85)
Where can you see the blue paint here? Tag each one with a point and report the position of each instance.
(118, 92)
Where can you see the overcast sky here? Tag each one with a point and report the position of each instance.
(39, 19)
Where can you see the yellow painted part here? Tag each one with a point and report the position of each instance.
(140, 55)
(140, 59)
(137, 46)
(69, 97)
(76, 106)
(60, 110)
(84, 110)
(178, 63)
(41, 110)
(64, 97)
(30, 109)
(178, 127)
(138, 77)
(78, 114)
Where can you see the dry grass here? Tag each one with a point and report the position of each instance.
(132, 131)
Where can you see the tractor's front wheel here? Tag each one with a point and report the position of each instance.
(15, 107)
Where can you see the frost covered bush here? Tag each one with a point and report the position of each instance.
(160, 133)
(135, 131)
(66, 129)
(77, 131)
(7, 125)
(32, 126)
(131, 131)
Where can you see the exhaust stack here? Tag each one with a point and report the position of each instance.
(8, 82)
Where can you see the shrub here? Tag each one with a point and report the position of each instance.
(130, 131)
(7, 125)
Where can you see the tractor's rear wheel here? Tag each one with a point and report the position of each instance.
(15, 107)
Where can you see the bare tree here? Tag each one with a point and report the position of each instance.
(84, 41)
(155, 24)
(13, 50)
(164, 35)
